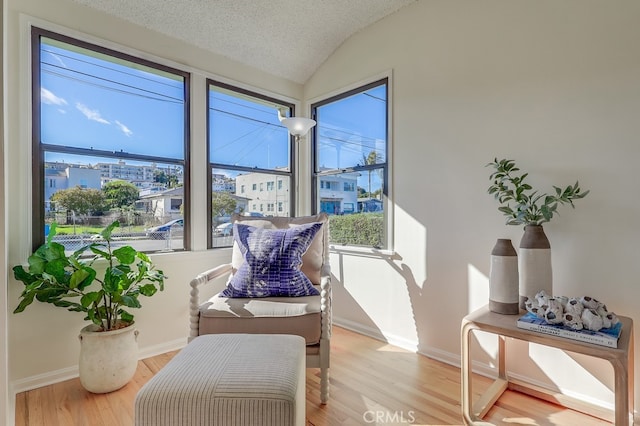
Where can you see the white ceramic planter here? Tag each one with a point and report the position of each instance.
(108, 359)
(503, 279)
(534, 263)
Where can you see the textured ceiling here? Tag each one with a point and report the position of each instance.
(287, 38)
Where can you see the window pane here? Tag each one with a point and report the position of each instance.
(351, 165)
(84, 194)
(353, 131)
(355, 204)
(245, 131)
(252, 194)
(110, 103)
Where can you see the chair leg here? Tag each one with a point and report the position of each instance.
(324, 385)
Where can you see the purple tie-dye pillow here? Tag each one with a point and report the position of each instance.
(272, 261)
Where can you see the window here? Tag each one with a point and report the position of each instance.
(242, 189)
(249, 146)
(106, 122)
(350, 151)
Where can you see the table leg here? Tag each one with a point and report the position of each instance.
(466, 373)
(502, 368)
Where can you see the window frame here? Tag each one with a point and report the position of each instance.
(39, 148)
(383, 79)
(210, 166)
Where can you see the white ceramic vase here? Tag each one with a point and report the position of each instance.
(534, 263)
(503, 279)
(108, 359)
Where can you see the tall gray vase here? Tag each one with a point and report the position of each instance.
(503, 278)
(535, 263)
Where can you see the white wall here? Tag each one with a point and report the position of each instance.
(42, 341)
(4, 392)
(554, 85)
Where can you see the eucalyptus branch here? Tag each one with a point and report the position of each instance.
(519, 202)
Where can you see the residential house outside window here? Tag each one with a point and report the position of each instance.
(103, 119)
(350, 154)
(249, 146)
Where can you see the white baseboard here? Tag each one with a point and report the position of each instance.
(51, 377)
(374, 333)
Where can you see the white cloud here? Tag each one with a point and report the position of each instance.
(91, 114)
(124, 129)
(49, 98)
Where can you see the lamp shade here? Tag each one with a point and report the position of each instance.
(298, 126)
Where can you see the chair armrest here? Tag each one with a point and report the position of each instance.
(194, 301)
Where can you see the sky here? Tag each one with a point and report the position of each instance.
(89, 100)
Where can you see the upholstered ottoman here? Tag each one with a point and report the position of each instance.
(228, 380)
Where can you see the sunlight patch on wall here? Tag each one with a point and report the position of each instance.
(411, 243)
(565, 372)
(478, 288)
(478, 296)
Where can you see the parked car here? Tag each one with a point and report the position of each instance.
(173, 227)
(253, 214)
(223, 230)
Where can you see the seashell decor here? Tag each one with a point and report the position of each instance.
(577, 313)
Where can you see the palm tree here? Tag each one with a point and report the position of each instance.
(369, 160)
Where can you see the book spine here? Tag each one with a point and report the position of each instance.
(601, 340)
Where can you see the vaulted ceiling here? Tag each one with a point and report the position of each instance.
(286, 38)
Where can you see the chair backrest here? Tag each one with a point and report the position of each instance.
(316, 255)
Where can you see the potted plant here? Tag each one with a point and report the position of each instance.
(72, 282)
(524, 206)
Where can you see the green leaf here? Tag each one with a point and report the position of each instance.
(125, 255)
(130, 301)
(56, 268)
(50, 295)
(26, 301)
(36, 264)
(106, 232)
(51, 251)
(88, 280)
(78, 277)
(90, 298)
(126, 316)
(21, 275)
(94, 248)
(148, 290)
(52, 232)
(111, 283)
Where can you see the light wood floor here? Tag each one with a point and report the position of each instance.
(371, 383)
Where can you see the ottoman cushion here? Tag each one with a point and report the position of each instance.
(229, 379)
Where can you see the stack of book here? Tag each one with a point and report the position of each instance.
(604, 337)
